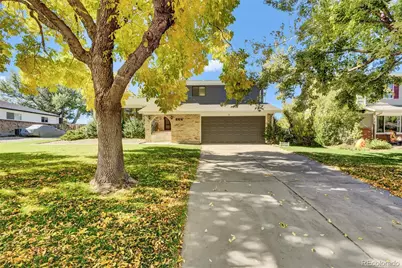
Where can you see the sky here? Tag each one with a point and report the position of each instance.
(254, 21)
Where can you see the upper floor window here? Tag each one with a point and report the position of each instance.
(392, 92)
(14, 116)
(199, 91)
(44, 119)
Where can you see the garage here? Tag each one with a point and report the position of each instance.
(232, 129)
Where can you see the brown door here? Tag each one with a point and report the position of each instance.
(167, 124)
(233, 129)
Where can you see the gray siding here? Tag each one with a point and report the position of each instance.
(217, 95)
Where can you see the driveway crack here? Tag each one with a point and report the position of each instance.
(314, 208)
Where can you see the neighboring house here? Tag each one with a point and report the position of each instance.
(202, 118)
(384, 116)
(14, 117)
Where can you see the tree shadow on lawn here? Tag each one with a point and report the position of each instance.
(50, 215)
(382, 170)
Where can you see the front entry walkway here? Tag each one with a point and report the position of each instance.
(258, 206)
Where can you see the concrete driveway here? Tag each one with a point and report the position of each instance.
(259, 206)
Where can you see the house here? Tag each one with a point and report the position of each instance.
(14, 117)
(202, 118)
(384, 116)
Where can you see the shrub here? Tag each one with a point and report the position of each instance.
(379, 145)
(334, 123)
(89, 131)
(134, 128)
(72, 135)
(299, 125)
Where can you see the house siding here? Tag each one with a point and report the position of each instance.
(29, 117)
(217, 95)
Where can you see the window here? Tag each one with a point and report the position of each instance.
(44, 119)
(199, 91)
(392, 92)
(388, 123)
(13, 116)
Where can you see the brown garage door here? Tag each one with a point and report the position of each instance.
(233, 129)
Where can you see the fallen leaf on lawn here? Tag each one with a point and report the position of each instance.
(379, 227)
(326, 194)
(396, 222)
(283, 225)
(346, 235)
(293, 233)
(329, 220)
(206, 230)
(322, 234)
(262, 228)
(232, 239)
(211, 204)
(313, 250)
(210, 260)
(305, 235)
(360, 238)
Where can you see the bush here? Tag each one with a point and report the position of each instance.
(321, 120)
(334, 123)
(134, 128)
(90, 131)
(299, 125)
(379, 145)
(72, 135)
(275, 133)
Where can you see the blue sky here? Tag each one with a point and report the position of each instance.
(254, 21)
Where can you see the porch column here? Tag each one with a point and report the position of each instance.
(148, 127)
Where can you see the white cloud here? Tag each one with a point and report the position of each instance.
(213, 66)
(2, 78)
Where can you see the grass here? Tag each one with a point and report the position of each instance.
(381, 169)
(50, 217)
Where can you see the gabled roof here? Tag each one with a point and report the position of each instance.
(196, 108)
(16, 107)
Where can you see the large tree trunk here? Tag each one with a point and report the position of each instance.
(110, 173)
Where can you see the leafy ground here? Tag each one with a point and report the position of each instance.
(379, 168)
(49, 216)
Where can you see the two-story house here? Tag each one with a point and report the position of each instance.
(384, 116)
(202, 118)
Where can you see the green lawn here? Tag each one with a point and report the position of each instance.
(50, 217)
(379, 168)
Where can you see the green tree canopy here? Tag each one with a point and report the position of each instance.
(66, 102)
(351, 46)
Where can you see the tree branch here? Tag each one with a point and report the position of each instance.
(364, 64)
(85, 17)
(31, 13)
(161, 22)
(357, 50)
(50, 19)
